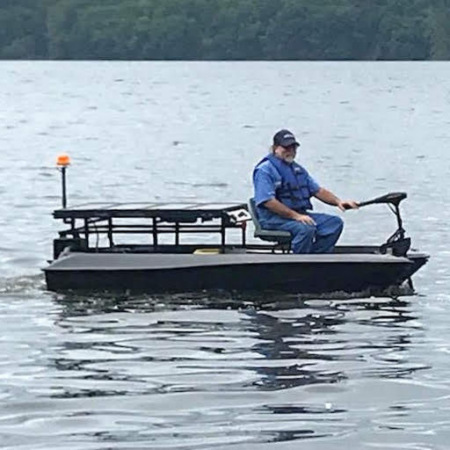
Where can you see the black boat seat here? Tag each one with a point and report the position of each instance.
(282, 238)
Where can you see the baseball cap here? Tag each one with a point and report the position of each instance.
(285, 138)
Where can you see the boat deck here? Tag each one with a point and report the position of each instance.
(142, 261)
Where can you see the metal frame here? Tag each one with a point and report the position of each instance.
(162, 219)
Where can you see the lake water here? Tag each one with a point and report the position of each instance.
(210, 371)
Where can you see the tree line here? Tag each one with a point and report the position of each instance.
(225, 29)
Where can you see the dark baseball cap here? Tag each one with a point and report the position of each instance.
(285, 138)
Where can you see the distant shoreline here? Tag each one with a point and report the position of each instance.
(229, 60)
(215, 30)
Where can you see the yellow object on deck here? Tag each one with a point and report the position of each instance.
(207, 251)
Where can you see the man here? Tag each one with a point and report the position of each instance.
(283, 190)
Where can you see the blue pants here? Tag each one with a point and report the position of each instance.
(319, 238)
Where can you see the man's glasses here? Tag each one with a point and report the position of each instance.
(290, 147)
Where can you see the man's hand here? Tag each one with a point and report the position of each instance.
(343, 205)
(282, 210)
(328, 197)
(304, 218)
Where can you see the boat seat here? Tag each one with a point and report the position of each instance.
(282, 238)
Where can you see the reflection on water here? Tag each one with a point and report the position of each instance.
(156, 374)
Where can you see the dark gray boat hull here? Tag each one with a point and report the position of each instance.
(156, 273)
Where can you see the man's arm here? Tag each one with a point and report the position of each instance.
(282, 210)
(328, 197)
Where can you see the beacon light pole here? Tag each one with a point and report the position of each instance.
(62, 162)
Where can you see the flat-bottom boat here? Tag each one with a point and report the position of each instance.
(89, 254)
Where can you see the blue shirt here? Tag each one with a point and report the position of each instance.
(266, 180)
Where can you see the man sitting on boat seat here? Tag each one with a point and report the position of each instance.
(283, 190)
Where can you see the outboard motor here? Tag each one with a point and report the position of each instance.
(397, 244)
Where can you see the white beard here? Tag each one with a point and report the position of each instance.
(289, 159)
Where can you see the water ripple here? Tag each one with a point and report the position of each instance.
(143, 371)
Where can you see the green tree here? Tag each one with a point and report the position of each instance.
(22, 30)
(438, 22)
(225, 29)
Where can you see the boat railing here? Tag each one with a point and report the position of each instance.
(91, 229)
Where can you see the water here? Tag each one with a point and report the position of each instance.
(202, 371)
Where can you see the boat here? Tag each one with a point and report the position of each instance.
(188, 247)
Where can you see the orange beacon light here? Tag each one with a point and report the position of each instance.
(62, 162)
